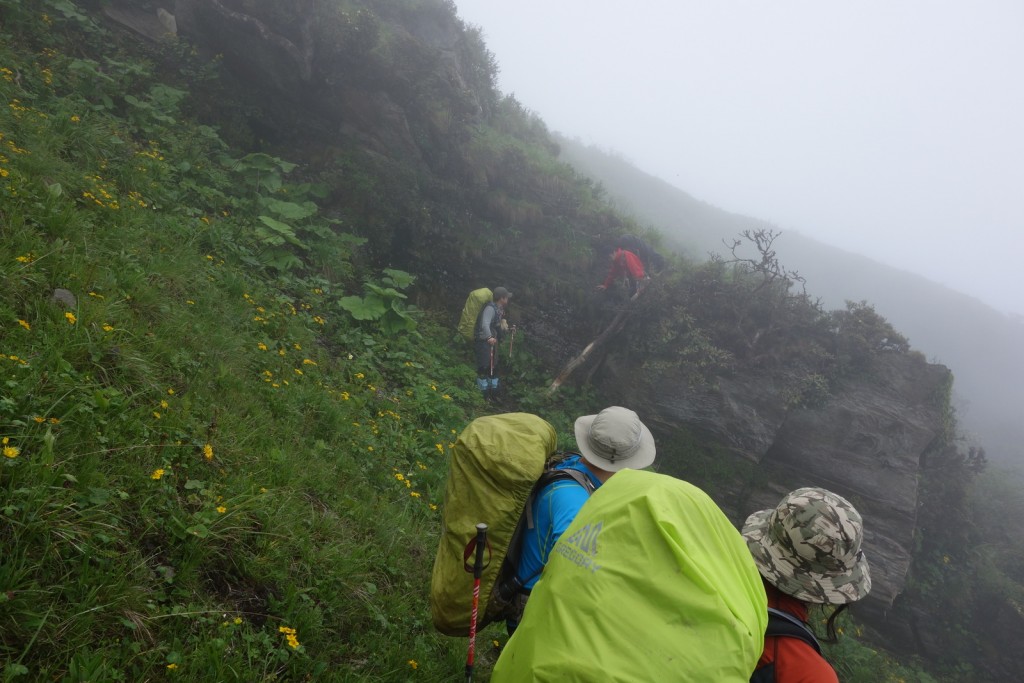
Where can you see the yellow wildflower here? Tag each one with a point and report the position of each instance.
(413, 664)
(208, 452)
(164, 404)
(75, 118)
(221, 509)
(307, 361)
(39, 419)
(157, 474)
(24, 324)
(414, 494)
(237, 621)
(156, 414)
(172, 667)
(261, 346)
(280, 352)
(433, 507)
(170, 392)
(108, 328)
(54, 420)
(297, 371)
(10, 451)
(70, 317)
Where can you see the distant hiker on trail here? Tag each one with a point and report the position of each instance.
(612, 440)
(625, 264)
(490, 329)
(650, 582)
(807, 550)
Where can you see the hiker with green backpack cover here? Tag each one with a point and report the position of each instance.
(651, 582)
(504, 471)
(612, 440)
(483, 321)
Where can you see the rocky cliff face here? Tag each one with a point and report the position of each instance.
(865, 442)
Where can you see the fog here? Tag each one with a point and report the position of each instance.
(894, 130)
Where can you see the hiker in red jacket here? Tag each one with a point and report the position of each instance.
(626, 264)
(807, 550)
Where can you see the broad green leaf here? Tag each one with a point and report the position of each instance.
(289, 210)
(283, 229)
(362, 309)
(399, 278)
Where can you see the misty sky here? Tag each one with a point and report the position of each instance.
(893, 129)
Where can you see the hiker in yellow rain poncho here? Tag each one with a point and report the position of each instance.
(651, 582)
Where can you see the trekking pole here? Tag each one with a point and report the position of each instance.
(492, 358)
(478, 568)
(510, 340)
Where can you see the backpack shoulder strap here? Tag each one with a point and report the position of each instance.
(508, 581)
(785, 625)
(550, 476)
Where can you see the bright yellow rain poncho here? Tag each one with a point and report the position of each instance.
(651, 583)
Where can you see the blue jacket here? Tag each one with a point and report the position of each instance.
(554, 508)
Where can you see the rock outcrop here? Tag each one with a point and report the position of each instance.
(865, 443)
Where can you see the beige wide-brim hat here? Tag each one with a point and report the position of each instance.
(809, 547)
(615, 439)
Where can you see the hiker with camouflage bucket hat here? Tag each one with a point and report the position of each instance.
(808, 551)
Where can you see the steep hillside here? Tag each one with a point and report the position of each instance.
(231, 258)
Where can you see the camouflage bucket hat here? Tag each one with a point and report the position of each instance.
(809, 547)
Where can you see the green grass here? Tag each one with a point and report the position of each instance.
(211, 471)
(200, 450)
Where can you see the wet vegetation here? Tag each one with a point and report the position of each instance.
(230, 381)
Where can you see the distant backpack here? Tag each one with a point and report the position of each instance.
(652, 260)
(497, 465)
(784, 625)
(476, 300)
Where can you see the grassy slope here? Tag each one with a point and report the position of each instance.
(200, 451)
(203, 448)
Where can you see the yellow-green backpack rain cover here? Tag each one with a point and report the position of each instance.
(476, 300)
(493, 466)
(650, 583)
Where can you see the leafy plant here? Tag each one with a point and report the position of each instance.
(384, 304)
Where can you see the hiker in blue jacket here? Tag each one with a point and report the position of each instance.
(489, 330)
(612, 440)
